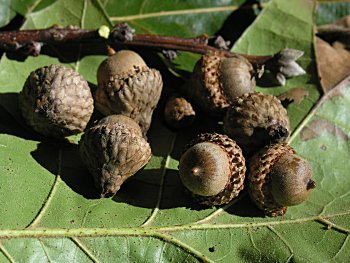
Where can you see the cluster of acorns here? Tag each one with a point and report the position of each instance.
(256, 127)
(56, 101)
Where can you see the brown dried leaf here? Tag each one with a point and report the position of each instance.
(332, 64)
(295, 95)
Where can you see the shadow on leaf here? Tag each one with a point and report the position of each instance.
(64, 160)
(245, 208)
(142, 190)
(202, 124)
(238, 21)
(12, 122)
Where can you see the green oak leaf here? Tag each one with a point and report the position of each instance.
(6, 13)
(49, 212)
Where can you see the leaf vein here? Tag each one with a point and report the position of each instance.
(6, 253)
(49, 198)
(44, 249)
(151, 231)
(84, 248)
(280, 236)
(346, 240)
(155, 211)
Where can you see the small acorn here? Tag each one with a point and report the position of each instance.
(178, 112)
(126, 85)
(255, 120)
(217, 80)
(212, 168)
(56, 101)
(278, 178)
(113, 150)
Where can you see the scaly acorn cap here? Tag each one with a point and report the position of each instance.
(113, 150)
(56, 101)
(127, 86)
(255, 120)
(212, 168)
(178, 112)
(217, 80)
(278, 178)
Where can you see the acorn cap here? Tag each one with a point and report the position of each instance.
(113, 150)
(217, 80)
(178, 112)
(278, 178)
(127, 86)
(56, 101)
(255, 120)
(212, 168)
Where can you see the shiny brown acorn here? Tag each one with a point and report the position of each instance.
(278, 178)
(212, 168)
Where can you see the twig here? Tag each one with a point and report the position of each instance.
(29, 42)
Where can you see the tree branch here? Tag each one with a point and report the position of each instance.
(29, 42)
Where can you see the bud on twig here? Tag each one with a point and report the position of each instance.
(283, 65)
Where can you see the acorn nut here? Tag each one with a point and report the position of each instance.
(278, 178)
(217, 80)
(255, 120)
(126, 85)
(113, 150)
(212, 168)
(56, 101)
(178, 112)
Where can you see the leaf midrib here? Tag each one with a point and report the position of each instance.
(154, 231)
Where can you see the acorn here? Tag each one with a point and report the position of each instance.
(113, 150)
(212, 168)
(255, 120)
(278, 178)
(56, 101)
(217, 80)
(126, 85)
(178, 112)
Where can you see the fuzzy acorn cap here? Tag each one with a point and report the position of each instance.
(56, 101)
(212, 168)
(278, 178)
(255, 120)
(217, 80)
(178, 112)
(113, 150)
(127, 86)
